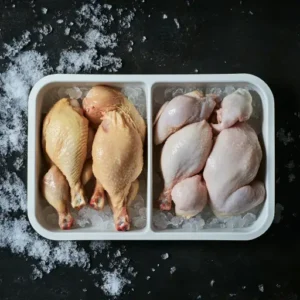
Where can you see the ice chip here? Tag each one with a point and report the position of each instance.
(74, 92)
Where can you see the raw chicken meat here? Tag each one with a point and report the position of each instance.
(101, 99)
(87, 171)
(117, 163)
(56, 191)
(235, 107)
(65, 136)
(230, 170)
(184, 154)
(190, 196)
(180, 111)
(91, 136)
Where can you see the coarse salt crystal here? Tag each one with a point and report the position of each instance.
(165, 256)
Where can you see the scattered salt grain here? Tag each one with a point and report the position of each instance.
(44, 10)
(251, 13)
(46, 29)
(144, 39)
(165, 256)
(199, 297)
(18, 163)
(84, 290)
(16, 45)
(153, 270)
(67, 30)
(95, 38)
(107, 6)
(261, 288)
(243, 287)
(172, 270)
(291, 177)
(278, 213)
(196, 71)
(165, 16)
(177, 23)
(278, 285)
(212, 282)
(148, 277)
(59, 21)
(12, 193)
(113, 282)
(118, 253)
(284, 137)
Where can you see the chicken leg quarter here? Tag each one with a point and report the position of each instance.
(184, 154)
(65, 135)
(230, 170)
(117, 163)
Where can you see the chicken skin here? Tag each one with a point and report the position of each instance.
(183, 155)
(101, 99)
(231, 169)
(180, 111)
(190, 196)
(56, 191)
(65, 136)
(235, 107)
(117, 162)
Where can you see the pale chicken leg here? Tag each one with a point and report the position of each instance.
(235, 107)
(230, 170)
(56, 191)
(180, 111)
(190, 196)
(117, 163)
(65, 135)
(184, 154)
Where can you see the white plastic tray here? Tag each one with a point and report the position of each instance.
(151, 84)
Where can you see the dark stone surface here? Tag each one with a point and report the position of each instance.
(257, 37)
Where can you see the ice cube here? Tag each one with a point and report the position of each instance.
(74, 92)
(187, 226)
(160, 220)
(176, 221)
(249, 219)
(212, 223)
(142, 212)
(234, 222)
(228, 90)
(52, 219)
(169, 216)
(139, 222)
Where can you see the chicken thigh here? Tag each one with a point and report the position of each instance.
(180, 111)
(56, 191)
(101, 99)
(230, 170)
(65, 135)
(117, 163)
(190, 196)
(184, 154)
(235, 107)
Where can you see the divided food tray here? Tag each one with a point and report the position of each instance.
(40, 101)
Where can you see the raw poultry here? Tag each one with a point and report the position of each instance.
(230, 165)
(117, 150)
(65, 137)
(74, 152)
